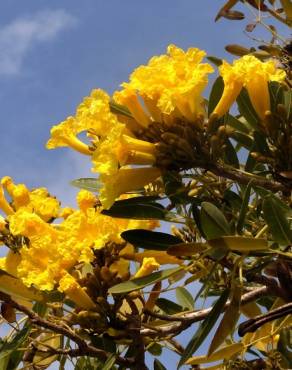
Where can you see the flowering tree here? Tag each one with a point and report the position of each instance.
(91, 284)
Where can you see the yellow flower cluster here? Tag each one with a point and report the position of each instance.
(168, 90)
(170, 85)
(251, 73)
(50, 251)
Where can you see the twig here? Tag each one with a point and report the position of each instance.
(180, 323)
(252, 325)
(84, 347)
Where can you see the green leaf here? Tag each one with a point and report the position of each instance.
(215, 95)
(239, 243)
(147, 239)
(277, 222)
(288, 103)
(87, 183)
(187, 249)
(119, 109)
(213, 221)
(139, 283)
(261, 143)
(157, 365)
(138, 209)
(236, 124)
(184, 298)
(244, 208)
(228, 321)
(205, 327)
(246, 109)
(214, 60)
(242, 139)
(9, 346)
(276, 91)
(167, 306)
(230, 155)
(155, 349)
(108, 365)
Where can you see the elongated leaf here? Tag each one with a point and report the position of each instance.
(157, 365)
(139, 283)
(246, 109)
(230, 155)
(244, 208)
(228, 321)
(184, 298)
(276, 91)
(244, 140)
(205, 328)
(187, 249)
(239, 243)
(288, 103)
(109, 362)
(140, 210)
(224, 353)
(87, 183)
(214, 60)
(169, 307)
(214, 223)
(215, 95)
(147, 239)
(277, 222)
(236, 124)
(8, 347)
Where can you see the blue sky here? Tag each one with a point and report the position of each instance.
(52, 53)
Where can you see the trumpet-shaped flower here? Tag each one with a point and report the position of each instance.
(125, 180)
(253, 74)
(149, 265)
(170, 84)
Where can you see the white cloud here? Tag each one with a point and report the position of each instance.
(19, 36)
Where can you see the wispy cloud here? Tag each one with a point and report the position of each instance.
(21, 35)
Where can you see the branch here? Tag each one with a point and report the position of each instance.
(252, 325)
(84, 348)
(185, 320)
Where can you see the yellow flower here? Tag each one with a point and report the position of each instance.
(253, 74)
(75, 292)
(169, 84)
(65, 134)
(4, 204)
(85, 200)
(125, 180)
(149, 265)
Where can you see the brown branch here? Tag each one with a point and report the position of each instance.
(244, 177)
(252, 325)
(83, 346)
(181, 322)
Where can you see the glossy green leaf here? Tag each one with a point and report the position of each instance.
(213, 221)
(277, 221)
(236, 124)
(239, 243)
(157, 365)
(184, 298)
(139, 283)
(215, 95)
(138, 209)
(108, 365)
(8, 347)
(216, 61)
(187, 249)
(244, 140)
(147, 239)
(168, 307)
(246, 109)
(228, 321)
(230, 155)
(288, 103)
(276, 91)
(205, 327)
(244, 208)
(87, 183)
(155, 349)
